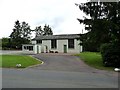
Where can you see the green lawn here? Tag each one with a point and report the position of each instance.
(93, 59)
(10, 61)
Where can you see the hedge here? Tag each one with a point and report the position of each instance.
(110, 54)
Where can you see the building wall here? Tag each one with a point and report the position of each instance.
(76, 48)
(46, 43)
(33, 41)
(46, 46)
(36, 48)
(60, 46)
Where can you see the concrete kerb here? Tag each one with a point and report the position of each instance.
(59, 54)
(36, 64)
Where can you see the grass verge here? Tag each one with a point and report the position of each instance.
(93, 59)
(10, 61)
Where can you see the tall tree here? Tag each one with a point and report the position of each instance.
(104, 24)
(25, 30)
(20, 35)
(38, 31)
(47, 30)
(16, 31)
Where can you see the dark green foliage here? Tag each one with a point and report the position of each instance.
(25, 30)
(45, 31)
(111, 54)
(6, 43)
(17, 43)
(103, 25)
(92, 42)
(0, 44)
(38, 31)
(20, 35)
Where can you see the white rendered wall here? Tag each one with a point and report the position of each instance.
(33, 41)
(27, 50)
(35, 49)
(39, 48)
(44, 44)
(60, 45)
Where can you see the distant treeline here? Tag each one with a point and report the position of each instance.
(21, 34)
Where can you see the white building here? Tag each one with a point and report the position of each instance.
(65, 43)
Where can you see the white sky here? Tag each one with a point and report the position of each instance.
(61, 15)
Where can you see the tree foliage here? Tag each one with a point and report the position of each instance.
(5, 43)
(111, 54)
(16, 31)
(103, 25)
(25, 30)
(45, 31)
(20, 35)
(38, 31)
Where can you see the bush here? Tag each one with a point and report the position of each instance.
(110, 54)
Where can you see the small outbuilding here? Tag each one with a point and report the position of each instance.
(64, 43)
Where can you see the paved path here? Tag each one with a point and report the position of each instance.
(59, 71)
(65, 62)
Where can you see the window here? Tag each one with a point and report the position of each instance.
(28, 48)
(25, 47)
(54, 43)
(39, 41)
(70, 43)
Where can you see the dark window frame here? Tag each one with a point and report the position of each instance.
(30, 48)
(54, 44)
(39, 41)
(71, 43)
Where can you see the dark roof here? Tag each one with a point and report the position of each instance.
(62, 36)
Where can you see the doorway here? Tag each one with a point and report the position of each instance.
(65, 48)
(37, 49)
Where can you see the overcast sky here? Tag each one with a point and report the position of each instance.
(61, 15)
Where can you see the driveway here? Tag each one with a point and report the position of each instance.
(64, 62)
(59, 71)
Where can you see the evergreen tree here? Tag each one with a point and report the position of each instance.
(104, 23)
(25, 30)
(16, 31)
(38, 31)
(47, 30)
(20, 35)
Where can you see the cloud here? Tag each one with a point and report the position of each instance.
(59, 14)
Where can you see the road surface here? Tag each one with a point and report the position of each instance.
(59, 71)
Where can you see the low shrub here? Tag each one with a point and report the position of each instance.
(110, 54)
(56, 51)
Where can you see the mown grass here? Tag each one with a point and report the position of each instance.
(93, 59)
(10, 61)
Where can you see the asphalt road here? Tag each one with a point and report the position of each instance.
(31, 78)
(59, 71)
(18, 52)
